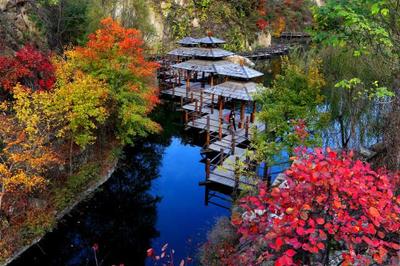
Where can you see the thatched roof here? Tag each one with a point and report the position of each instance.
(200, 52)
(236, 90)
(210, 40)
(221, 67)
(189, 41)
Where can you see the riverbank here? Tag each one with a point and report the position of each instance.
(61, 201)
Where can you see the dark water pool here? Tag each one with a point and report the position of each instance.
(152, 199)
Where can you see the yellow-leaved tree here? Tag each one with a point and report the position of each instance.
(24, 157)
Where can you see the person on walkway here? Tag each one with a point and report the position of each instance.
(232, 119)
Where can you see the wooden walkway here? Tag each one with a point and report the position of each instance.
(201, 113)
(266, 53)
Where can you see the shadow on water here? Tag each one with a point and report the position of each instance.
(153, 198)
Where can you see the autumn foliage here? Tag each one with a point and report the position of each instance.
(330, 202)
(28, 66)
(56, 111)
(115, 55)
(277, 15)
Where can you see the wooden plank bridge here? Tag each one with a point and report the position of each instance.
(201, 113)
(266, 53)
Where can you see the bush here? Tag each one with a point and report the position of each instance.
(75, 184)
(221, 240)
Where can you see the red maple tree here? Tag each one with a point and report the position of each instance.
(330, 203)
(28, 66)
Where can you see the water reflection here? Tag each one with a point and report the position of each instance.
(120, 219)
(153, 198)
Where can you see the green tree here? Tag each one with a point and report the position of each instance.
(290, 106)
(368, 27)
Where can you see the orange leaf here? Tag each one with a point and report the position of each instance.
(374, 212)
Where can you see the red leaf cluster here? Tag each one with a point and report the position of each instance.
(28, 66)
(330, 201)
(262, 24)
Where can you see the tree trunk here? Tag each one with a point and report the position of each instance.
(1, 196)
(71, 149)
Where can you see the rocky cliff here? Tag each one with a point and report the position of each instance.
(17, 27)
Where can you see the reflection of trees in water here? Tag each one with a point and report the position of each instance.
(120, 218)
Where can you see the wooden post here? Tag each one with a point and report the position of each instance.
(221, 156)
(220, 105)
(188, 81)
(208, 163)
(253, 113)
(173, 91)
(196, 106)
(181, 101)
(247, 128)
(193, 116)
(186, 117)
(212, 80)
(191, 97)
(203, 84)
(220, 129)
(208, 132)
(233, 143)
(212, 103)
(179, 77)
(242, 110)
(201, 101)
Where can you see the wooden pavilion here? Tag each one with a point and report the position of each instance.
(209, 87)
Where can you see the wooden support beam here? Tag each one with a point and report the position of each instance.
(208, 164)
(191, 97)
(233, 143)
(220, 106)
(242, 110)
(196, 106)
(208, 132)
(207, 139)
(221, 156)
(212, 103)
(246, 134)
(201, 101)
(181, 101)
(188, 81)
(253, 113)
(220, 129)
(203, 76)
